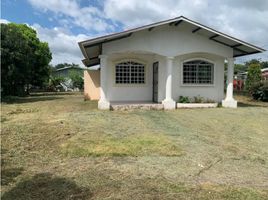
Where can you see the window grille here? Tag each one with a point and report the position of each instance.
(129, 73)
(198, 72)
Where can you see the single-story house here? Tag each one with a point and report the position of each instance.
(164, 60)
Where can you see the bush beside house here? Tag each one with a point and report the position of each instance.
(257, 88)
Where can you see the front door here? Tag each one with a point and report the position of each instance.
(155, 82)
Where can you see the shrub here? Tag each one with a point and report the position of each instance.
(260, 91)
(54, 82)
(195, 99)
(184, 99)
(209, 101)
(253, 81)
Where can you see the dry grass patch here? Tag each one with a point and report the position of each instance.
(61, 147)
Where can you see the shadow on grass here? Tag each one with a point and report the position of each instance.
(11, 100)
(9, 175)
(46, 186)
(253, 104)
(54, 93)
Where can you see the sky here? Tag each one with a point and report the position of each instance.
(63, 23)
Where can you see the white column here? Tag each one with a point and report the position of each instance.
(229, 101)
(169, 103)
(103, 103)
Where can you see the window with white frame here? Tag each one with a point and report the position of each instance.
(129, 72)
(198, 72)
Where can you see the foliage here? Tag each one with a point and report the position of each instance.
(57, 80)
(77, 79)
(244, 67)
(195, 99)
(24, 59)
(239, 68)
(260, 91)
(198, 99)
(252, 62)
(264, 64)
(253, 77)
(184, 99)
(54, 82)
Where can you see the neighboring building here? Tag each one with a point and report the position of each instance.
(65, 71)
(162, 61)
(240, 79)
(264, 73)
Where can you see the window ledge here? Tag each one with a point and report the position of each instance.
(197, 85)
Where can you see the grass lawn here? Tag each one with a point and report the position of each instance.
(61, 147)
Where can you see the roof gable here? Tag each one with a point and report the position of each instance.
(240, 48)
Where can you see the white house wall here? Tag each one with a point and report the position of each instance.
(167, 41)
(214, 92)
(127, 92)
(156, 45)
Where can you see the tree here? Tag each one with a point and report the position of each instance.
(24, 59)
(253, 77)
(54, 82)
(239, 68)
(77, 79)
(252, 61)
(264, 64)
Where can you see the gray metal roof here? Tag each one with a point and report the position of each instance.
(92, 48)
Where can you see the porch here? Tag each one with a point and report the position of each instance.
(157, 87)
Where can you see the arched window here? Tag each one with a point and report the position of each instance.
(129, 72)
(198, 72)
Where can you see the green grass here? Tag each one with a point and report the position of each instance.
(134, 145)
(61, 147)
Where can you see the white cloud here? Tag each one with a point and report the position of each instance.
(246, 20)
(62, 43)
(89, 18)
(4, 21)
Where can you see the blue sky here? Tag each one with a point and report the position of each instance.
(62, 23)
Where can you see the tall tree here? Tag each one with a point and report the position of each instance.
(239, 68)
(264, 64)
(252, 61)
(24, 59)
(254, 77)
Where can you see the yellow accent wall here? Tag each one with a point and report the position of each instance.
(92, 84)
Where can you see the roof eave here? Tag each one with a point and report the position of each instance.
(108, 38)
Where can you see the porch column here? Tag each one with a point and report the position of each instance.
(103, 103)
(168, 102)
(229, 101)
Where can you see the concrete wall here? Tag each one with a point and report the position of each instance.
(92, 84)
